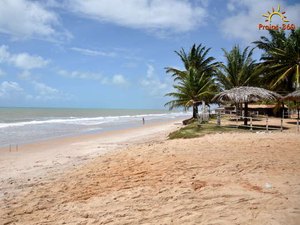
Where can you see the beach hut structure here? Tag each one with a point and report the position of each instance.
(245, 95)
(294, 96)
(268, 109)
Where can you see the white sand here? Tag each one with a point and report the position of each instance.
(32, 162)
(230, 178)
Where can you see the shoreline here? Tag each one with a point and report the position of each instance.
(43, 125)
(86, 136)
(39, 160)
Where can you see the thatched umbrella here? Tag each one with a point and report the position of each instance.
(246, 95)
(294, 96)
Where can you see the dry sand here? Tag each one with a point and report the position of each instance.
(232, 178)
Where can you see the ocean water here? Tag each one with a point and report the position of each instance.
(26, 125)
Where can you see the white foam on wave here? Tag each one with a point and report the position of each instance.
(90, 121)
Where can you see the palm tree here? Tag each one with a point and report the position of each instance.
(197, 58)
(282, 60)
(192, 90)
(277, 40)
(195, 82)
(239, 70)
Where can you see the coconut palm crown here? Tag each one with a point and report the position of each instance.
(195, 83)
(192, 90)
(282, 60)
(239, 70)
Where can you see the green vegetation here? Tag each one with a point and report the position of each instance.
(239, 70)
(196, 83)
(194, 130)
(203, 78)
(281, 60)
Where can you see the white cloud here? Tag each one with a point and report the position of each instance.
(23, 61)
(154, 85)
(247, 14)
(150, 71)
(44, 89)
(230, 6)
(27, 62)
(4, 54)
(91, 52)
(119, 79)
(157, 15)
(2, 73)
(83, 75)
(9, 89)
(44, 92)
(26, 19)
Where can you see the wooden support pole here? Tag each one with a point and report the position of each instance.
(245, 113)
(267, 123)
(281, 123)
(219, 119)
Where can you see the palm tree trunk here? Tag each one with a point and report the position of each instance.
(246, 114)
(195, 111)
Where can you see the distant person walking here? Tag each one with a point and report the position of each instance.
(143, 121)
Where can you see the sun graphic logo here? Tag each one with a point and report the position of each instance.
(269, 16)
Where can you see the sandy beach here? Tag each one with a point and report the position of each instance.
(137, 176)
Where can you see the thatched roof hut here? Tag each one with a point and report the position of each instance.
(270, 109)
(246, 95)
(294, 96)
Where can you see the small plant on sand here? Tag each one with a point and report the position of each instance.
(194, 130)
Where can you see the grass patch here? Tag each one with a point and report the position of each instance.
(194, 130)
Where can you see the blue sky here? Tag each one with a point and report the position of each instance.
(112, 53)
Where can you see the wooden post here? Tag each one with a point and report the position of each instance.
(251, 124)
(267, 123)
(281, 121)
(246, 114)
(219, 118)
(298, 125)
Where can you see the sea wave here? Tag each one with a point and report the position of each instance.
(90, 121)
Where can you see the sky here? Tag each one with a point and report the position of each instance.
(113, 53)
